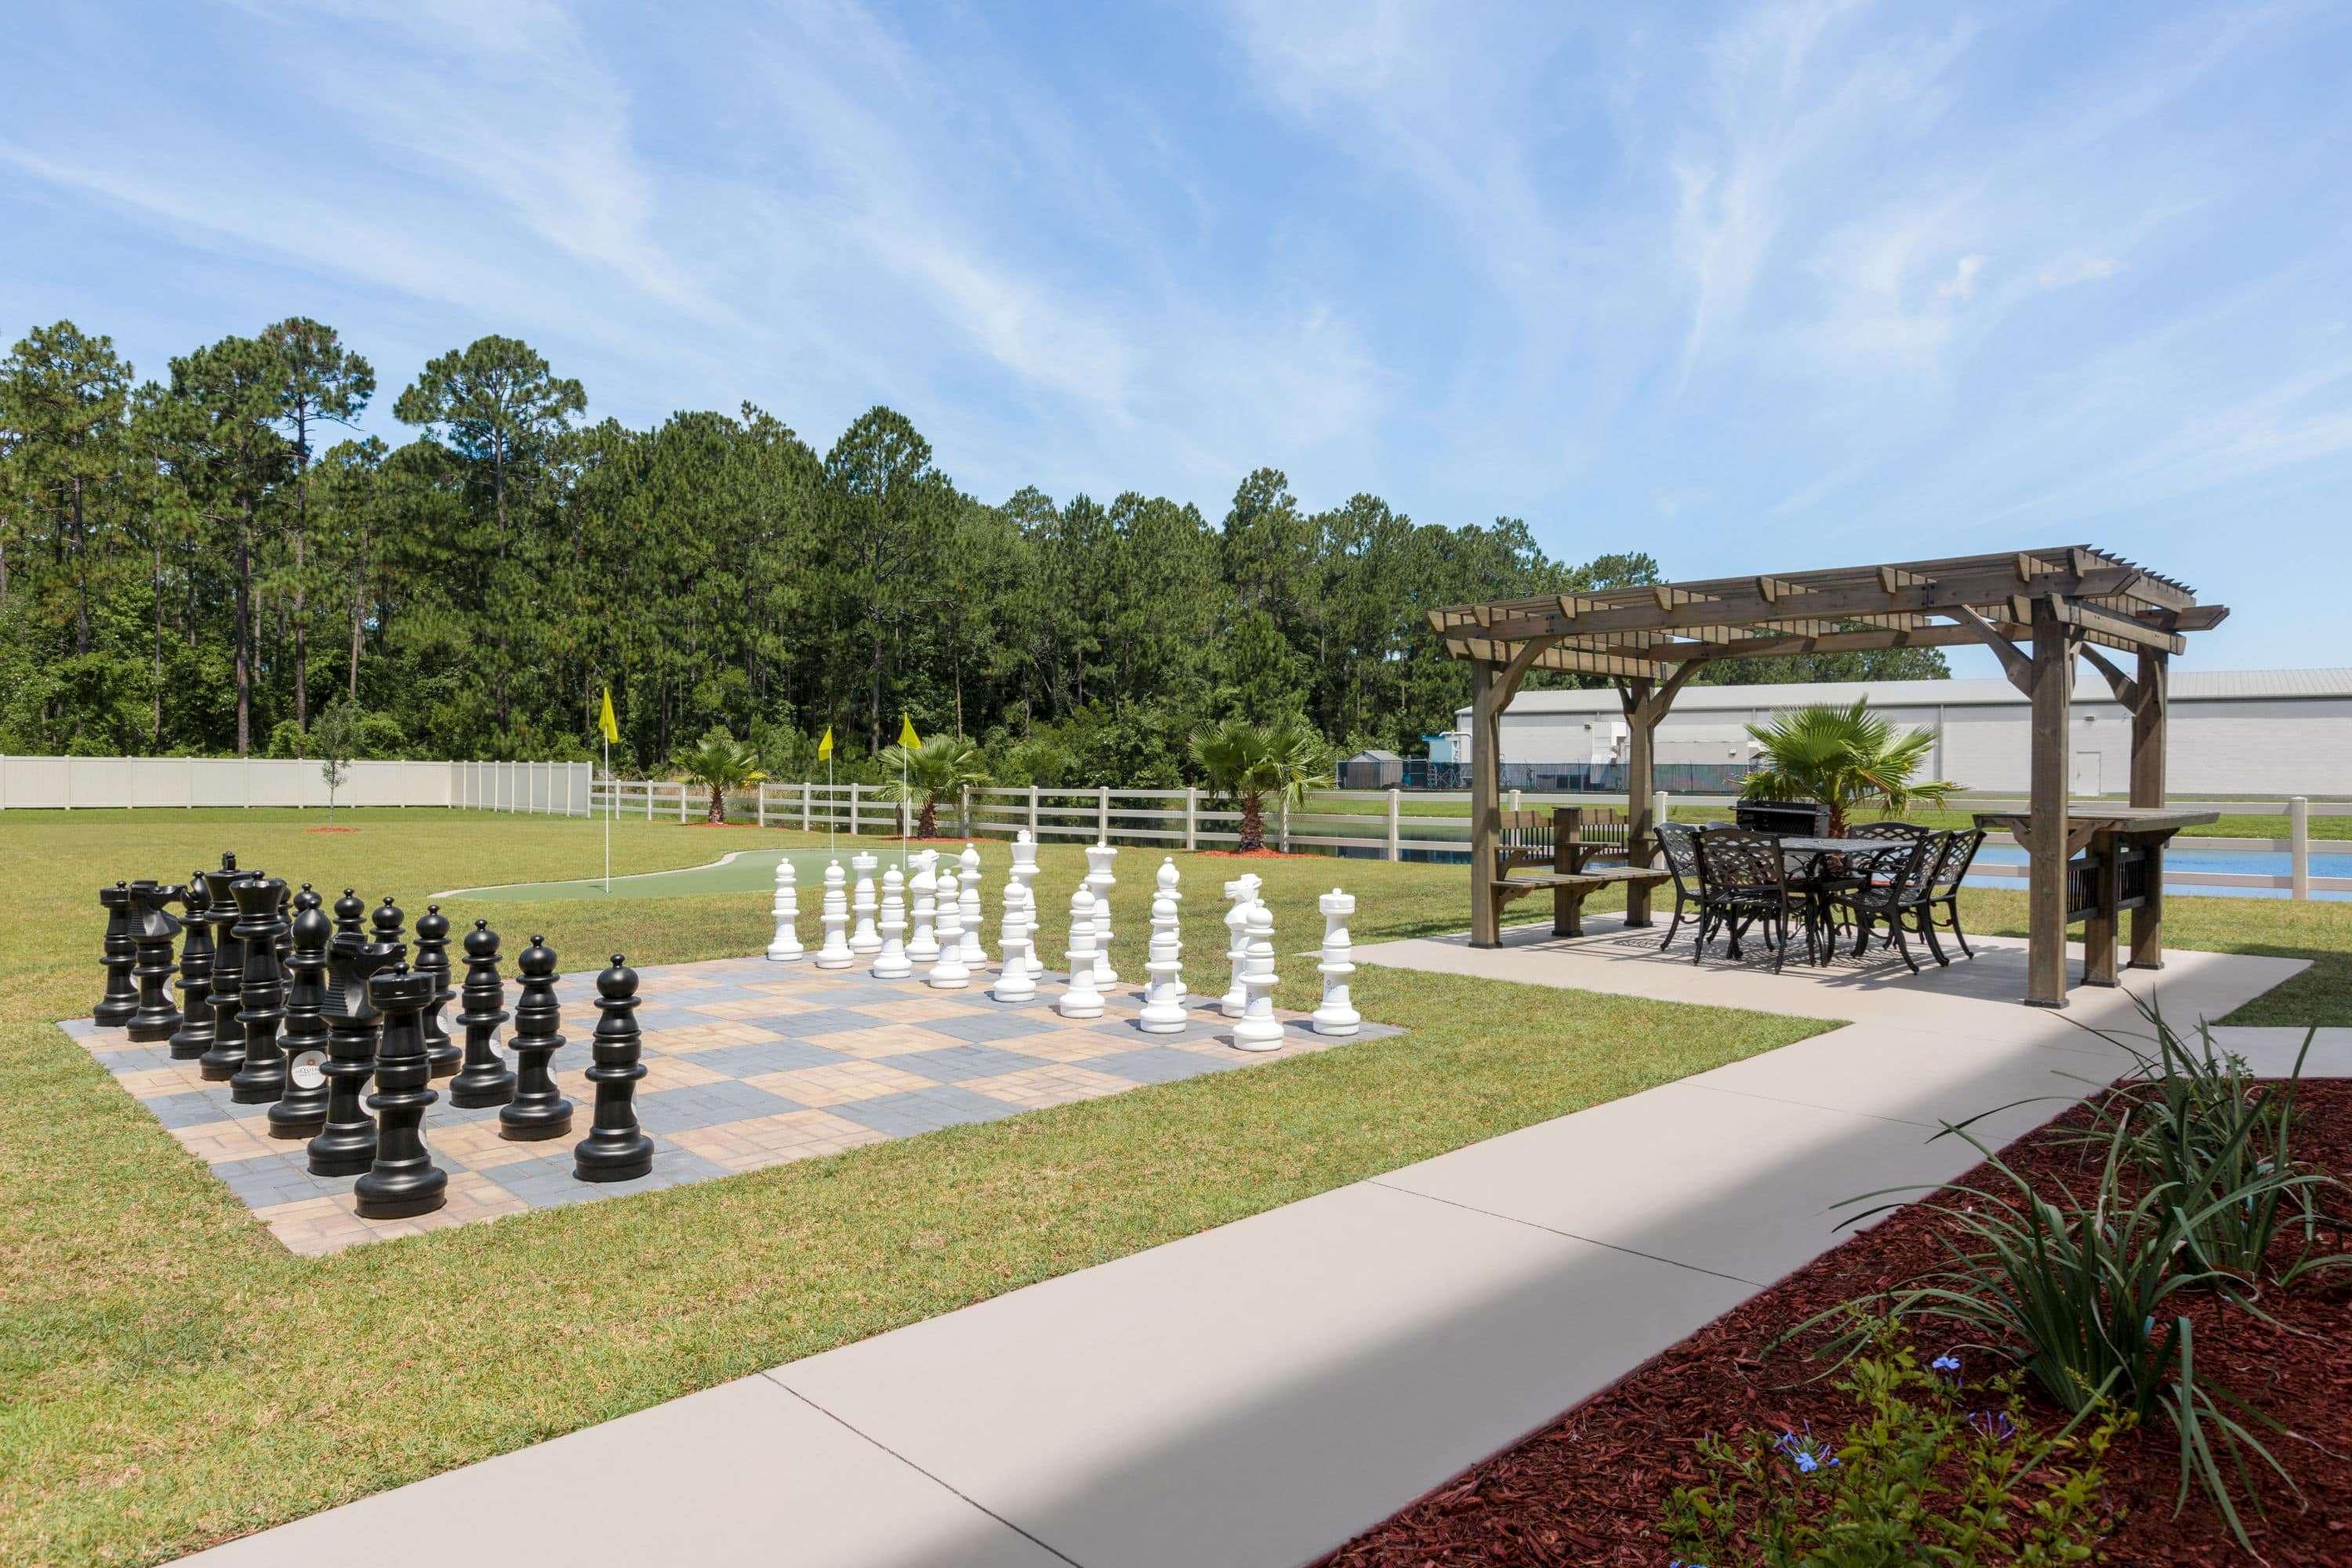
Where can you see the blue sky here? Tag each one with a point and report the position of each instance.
(1750, 287)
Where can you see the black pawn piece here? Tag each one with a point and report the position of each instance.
(194, 1037)
(261, 999)
(616, 1149)
(153, 926)
(301, 1111)
(538, 1110)
(432, 958)
(403, 1180)
(351, 914)
(346, 1145)
(227, 1053)
(118, 953)
(387, 920)
(485, 1079)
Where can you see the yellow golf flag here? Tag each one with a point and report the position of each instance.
(605, 720)
(824, 747)
(906, 737)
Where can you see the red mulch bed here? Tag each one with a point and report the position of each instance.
(1257, 855)
(1588, 1489)
(330, 830)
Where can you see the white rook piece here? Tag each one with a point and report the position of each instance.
(891, 964)
(865, 940)
(1081, 1000)
(834, 914)
(1259, 1029)
(1163, 997)
(1240, 894)
(1014, 983)
(787, 912)
(975, 951)
(949, 972)
(1099, 882)
(1337, 1015)
(1024, 876)
(923, 891)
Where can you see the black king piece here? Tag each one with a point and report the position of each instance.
(261, 1000)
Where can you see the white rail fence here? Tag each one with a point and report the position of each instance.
(182, 784)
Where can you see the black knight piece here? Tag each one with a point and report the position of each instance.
(194, 1037)
(403, 1180)
(118, 953)
(485, 1079)
(351, 914)
(346, 1144)
(432, 958)
(153, 926)
(301, 1111)
(537, 1109)
(616, 1149)
(227, 1054)
(261, 999)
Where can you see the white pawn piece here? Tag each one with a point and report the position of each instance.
(891, 964)
(834, 915)
(1240, 894)
(1259, 1029)
(865, 940)
(1338, 1014)
(1099, 882)
(1164, 996)
(923, 892)
(975, 951)
(1014, 983)
(1081, 1000)
(787, 912)
(949, 971)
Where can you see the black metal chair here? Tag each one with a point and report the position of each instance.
(1944, 887)
(1744, 883)
(1678, 848)
(1887, 885)
(1887, 830)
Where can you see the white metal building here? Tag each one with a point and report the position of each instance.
(2248, 732)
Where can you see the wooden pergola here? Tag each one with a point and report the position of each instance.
(2036, 609)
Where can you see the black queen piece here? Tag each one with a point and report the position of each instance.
(261, 999)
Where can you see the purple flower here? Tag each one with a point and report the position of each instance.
(1808, 1454)
(1994, 1425)
(1946, 1363)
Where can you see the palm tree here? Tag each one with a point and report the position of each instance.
(942, 766)
(1848, 759)
(1245, 763)
(719, 762)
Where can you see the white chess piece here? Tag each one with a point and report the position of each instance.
(1240, 894)
(1163, 997)
(949, 971)
(975, 951)
(891, 964)
(1259, 1029)
(787, 912)
(1338, 1014)
(1024, 872)
(1099, 882)
(834, 915)
(923, 892)
(865, 940)
(1081, 1000)
(1014, 983)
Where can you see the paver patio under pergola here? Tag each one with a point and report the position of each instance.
(2037, 610)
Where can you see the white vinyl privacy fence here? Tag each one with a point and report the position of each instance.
(83, 784)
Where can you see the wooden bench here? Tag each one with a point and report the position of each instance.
(1575, 851)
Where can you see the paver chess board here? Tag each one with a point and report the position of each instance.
(749, 1064)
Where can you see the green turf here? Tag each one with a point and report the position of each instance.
(737, 871)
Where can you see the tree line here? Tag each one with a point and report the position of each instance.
(203, 563)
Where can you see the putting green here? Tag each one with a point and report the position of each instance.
(743, 871)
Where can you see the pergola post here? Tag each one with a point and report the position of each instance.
(1486, 700)
(1641, 787)
(2153, 691)
(2052, 680)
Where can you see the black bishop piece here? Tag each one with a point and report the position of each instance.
(432, 958)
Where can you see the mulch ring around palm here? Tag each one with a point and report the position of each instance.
(1590, 1488)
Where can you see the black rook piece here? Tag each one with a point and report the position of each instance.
(301, 1111)
(538, 1110)
(118, 952)
(485, 1079)
(261, 1000)
(403, 1180)
(432, 958)
(346, 1145)
(351, 914)
(194, 1036)
(153, 926)
(227, 1054)
(616, 1149)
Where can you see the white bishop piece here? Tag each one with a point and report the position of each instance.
(949, 971)
(1081, 1000)
(834, 915)
(891, 964)
(1240, 894)
(864, 939)
(1164, 996)
(1099, 882)
(1259, 1029)
(1014, 982)
(975, 951)
(923, 892)
(787, 912)
(1338, 1014)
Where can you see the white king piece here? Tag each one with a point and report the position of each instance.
(1025, 877)
(787, 912)
(1099, 882)
(1338, 1014)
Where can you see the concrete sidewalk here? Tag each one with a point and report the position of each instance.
(1257, 1394)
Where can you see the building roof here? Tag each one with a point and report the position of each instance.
(1376, 756)
(2187, 686)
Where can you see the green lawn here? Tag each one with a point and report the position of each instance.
(170, 1376)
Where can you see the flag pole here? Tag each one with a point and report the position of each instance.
(611, 805)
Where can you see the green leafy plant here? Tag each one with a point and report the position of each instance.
(942, 766)
(1245, 763)
(1848, 759)
(335, 736)
(719, 762)
(1930, 1470)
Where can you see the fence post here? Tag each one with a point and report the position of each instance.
(2298, 832)
(762, 809)
(963, 812)
(808, 795)
(1102, 813)
(1192, 817)
(856, 792)
(1283, 841)
(1032, 811)
(1661, 803)
(681, 803)
(1515, 800)
(1395, 800)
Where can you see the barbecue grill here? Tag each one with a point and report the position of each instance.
(1790, 818)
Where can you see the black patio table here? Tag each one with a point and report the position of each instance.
(1816, 887)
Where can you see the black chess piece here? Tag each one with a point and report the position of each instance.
(537, 1109)
(286, 932)
(194, 1037)
(485, 1079)
(261, 1000)
(616, 1149)
(346, 1145)
(403, 1180)
(227, 1053)
(432, 958)
(301, 1111)
(118, 953)
(387, 920)
(351, 914)
(153, 926)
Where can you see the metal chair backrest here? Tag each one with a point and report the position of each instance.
(1678, 848)
(1887, 830)
(1735, 860)
(1919, 872)
(1959, 853)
